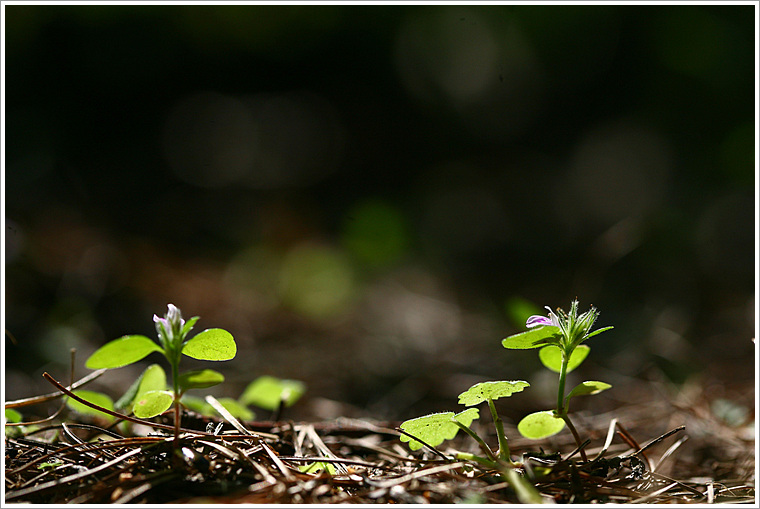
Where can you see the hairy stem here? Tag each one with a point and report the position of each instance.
(503, 446)
(479, 440)
(562, 406)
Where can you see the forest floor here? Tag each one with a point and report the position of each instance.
(682, 450)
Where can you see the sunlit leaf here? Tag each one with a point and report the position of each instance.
(435, 428)
(267, 392)
(540, 425)
(152, 379)
(551, 357)
(234, 407)
(153, 403)
(199, 379)
(211, 345)
(102, 400)
(484, 391)
(196, 404)
(598, 331)
(588, 388)
(50, 464)
(121, 352)
(189, 326)
(533, 338)
(12, 415)
(318, 467)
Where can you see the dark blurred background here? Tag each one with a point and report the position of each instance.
(371, 197)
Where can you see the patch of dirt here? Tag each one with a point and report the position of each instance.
(636, 454)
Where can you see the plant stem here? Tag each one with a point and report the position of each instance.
(478, 459)
(503, 446)
(561, 410)
(576, 436)
(177, 413)
(479, 440)
(561, 403)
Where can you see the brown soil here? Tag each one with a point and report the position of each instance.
(65, 461)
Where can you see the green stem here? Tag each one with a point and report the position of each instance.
(177, 413)
(503, 446)
(479, 440)
(491, 465)
(576, 436)
(561, 410)
(562, 404)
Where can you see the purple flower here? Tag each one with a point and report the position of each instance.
(170, 326)
(539, 320)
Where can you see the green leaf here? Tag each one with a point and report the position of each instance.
(121, 352)
(534, 338)
(211, 345)
(196, 404)
(540, 425)
(484, 391)
(12, 415)
(435, 428)
(267, 392)
(189, 326)
(234, 407)
(318, 467)
(551, 357)
(97, 398)
(153, 403)
(199, 379)
(587, 388)
(598, 331)
(152, 379)
(50, 464)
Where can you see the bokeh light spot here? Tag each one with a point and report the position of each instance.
(316, 281)
(376, 233)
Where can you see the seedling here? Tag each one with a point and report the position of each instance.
(433, 429)
(265, 392)
(559, 336)
(147, 393)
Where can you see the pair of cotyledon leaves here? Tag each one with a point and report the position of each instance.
(210, 345)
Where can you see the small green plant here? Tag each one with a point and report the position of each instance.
(559, 336)
(147, 395)
(265, 392)
(433, 429)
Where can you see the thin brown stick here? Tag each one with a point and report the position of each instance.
(53, 395)
(136, 420)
